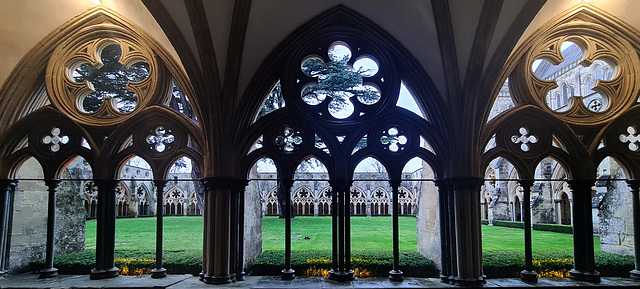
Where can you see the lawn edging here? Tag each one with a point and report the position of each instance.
(509, 264)
(129, 262)
(364, 263)
(557, 228)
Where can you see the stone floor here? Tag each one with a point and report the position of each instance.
(188, 281)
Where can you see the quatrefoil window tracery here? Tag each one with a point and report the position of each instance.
(91, 189)
(524, 139)
(340, 80)
(289, 140)
(574, 79)
(633, 138)
(393, 140)
(55, 140)
(109, 80)
(160, 139)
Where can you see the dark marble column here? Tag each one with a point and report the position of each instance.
(584, 262)
(285, 185)
(52, 187)
(106, 230)
(7, 190)
(395, 274)
(466, 205)
(341, 230)
(239, 265)
(527, 274)
(218, 229)
(634, 186)
(159, 272)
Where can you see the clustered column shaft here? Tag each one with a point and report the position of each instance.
(7, 190)
(222, 214)
(468, 239)
(341, 230)
(106, 230)
(584, 262)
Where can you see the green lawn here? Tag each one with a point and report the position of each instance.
(140, 233)
(366, 234)
(373, 233)
(503, 238)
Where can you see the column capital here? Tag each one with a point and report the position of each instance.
(228, 183)
(106, 184)
(287, 183)
(7, 183)
(440, 183)
(633, 184)
(465, 183)
(581, 184)
(395, 183)
(52, 183)
(340, 184)
(526, 183)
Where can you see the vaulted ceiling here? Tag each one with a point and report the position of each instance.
(221, 43)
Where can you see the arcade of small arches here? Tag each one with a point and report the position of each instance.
(318, 203)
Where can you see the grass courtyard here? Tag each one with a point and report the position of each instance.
(374, 233)
(503, 249)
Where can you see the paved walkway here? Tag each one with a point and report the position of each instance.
(188, 281)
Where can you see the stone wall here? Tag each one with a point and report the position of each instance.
(252, 221)
(616, 219)
(29, 226)
(428, 220)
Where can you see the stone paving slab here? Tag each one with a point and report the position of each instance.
(24, 281)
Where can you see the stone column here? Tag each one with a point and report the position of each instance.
(584, 263)
(341, 231)
(7, 190)
(218, 229)
(395, 274)
(285, 186)
(445, 233)
(159, 272)
(106, 230)
(239, 265)
(527, 274)
(634, 186)
(466, 205)
(49, 271)
(233, 237)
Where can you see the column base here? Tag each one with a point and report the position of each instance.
(396, 275)
(233, 277)
(341, 276)
(444, 279)
(634, 274)
(529, 276)
(224, 279)
(103, 274)
(159, 273)
(201, 276)
(240, 276)
(288, 274)
(593, 277)
(48, 273)
(469, 282)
